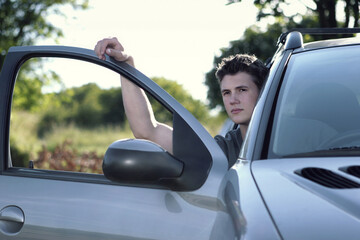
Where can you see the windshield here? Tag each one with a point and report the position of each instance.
(318, 112)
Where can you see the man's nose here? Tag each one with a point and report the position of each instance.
(234, 99)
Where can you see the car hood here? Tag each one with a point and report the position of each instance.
(311, 198)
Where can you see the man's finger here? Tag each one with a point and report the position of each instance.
(117, 54)
(109, 43)
(111, 47)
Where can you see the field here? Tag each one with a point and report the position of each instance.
(69, 147)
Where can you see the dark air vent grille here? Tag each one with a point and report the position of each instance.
(327, 178)
(353, 170)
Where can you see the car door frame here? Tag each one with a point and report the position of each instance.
(211, 190)
(18, 55)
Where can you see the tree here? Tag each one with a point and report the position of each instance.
(325, 10)
(27, 94)
(22, 21)
(89, 106)
(196, 107)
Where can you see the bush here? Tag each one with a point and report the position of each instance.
(50, 119)
(19, 158)
(65, 158)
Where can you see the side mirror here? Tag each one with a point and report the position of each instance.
(140, 162)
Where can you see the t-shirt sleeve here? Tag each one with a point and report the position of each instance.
(230, 144)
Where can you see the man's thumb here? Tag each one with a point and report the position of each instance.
(116, 54)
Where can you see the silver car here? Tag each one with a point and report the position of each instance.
(297, 176)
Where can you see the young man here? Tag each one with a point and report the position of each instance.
(241, 78)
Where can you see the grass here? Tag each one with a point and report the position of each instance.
(23, 132)
(87, 140)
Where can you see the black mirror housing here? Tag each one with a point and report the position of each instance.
(140, 162)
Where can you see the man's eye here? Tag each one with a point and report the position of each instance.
(226, 93)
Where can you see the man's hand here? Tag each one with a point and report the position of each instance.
(113, 48)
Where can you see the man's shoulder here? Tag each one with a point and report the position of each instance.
(232, 135)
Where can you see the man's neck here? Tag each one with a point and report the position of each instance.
(243, 129)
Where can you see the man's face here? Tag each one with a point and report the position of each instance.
(239, 93)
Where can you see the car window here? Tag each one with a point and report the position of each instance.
(318, 107)
(65, 114)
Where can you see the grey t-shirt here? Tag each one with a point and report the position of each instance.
(230, 144)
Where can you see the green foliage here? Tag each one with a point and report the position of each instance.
(76, 125)
(29, 83)
(324, 10)
(86, 109)
(87, 106)
(25, 145)
(113, 113)
(86, 140)
(23, 21)
(23, 140)
(19, 157)
(196, 107)
(27, 94)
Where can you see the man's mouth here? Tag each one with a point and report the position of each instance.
(236, 110)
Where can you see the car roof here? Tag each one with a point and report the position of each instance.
(332, 43)
(294, 39)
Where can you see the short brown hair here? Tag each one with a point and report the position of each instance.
(243, 63)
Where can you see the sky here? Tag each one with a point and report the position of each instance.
(174, 39)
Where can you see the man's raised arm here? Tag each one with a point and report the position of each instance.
(137, 106)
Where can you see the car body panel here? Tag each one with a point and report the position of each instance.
(329, 43)
(255, 137)
(100, 211)
(303, 209)
(253, 219)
